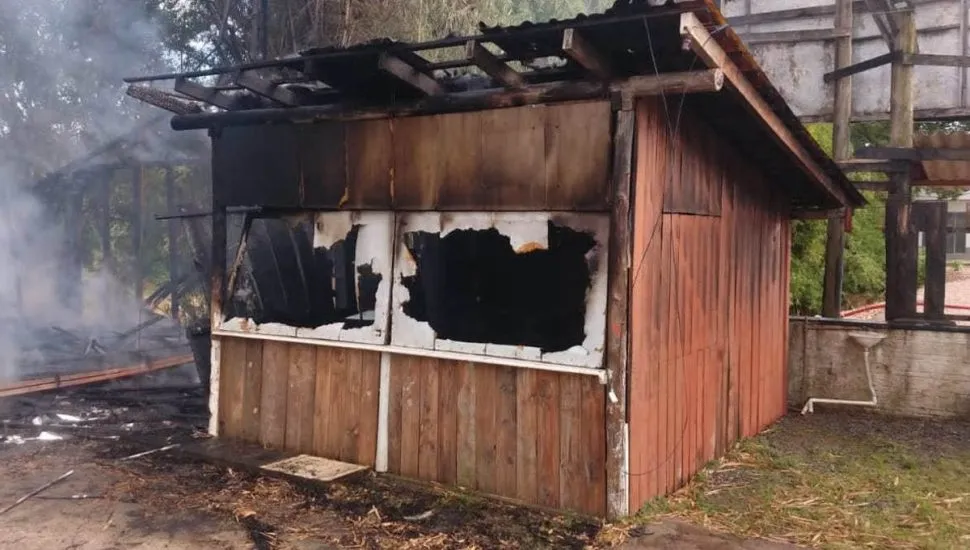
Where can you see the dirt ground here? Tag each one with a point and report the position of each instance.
(171, 500)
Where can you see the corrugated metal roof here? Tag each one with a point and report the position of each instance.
(945, 170)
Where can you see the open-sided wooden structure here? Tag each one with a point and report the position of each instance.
(564, 286)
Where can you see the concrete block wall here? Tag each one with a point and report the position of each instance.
(916, 372)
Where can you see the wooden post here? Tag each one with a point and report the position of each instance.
(137, 228)
(104, 198)
(173, 238)
(841, 150)
(901, 247)
(933, 224)
(617, 349)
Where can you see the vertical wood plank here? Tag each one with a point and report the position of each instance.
(276, 359)
(350, 427)
(252, 391)
(231, 387)
(410, 416)
(370, 155)
(664, 440)
(336, 416)
(527, 436)
(467, 423)
(506, 449)
(572, 475)
(370, 382)
(395, 423)
(322, 403)
(448, 394)
(417, 169)
(486, 432)
(513, 142)
(428, 420)
(461, 162)
(301, 383)
(578, 155)
(594, 445)
(548, 444)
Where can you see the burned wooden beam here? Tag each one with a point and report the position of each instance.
(702, 81)
(81, 379)
(861, 66)
(581, 51)
(936, 60)
(202, 93)
(162, 100)
(266, 88)
(912, 154)
(493, 66)
(410, 75)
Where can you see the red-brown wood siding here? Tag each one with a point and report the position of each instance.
(538, 437)
(709, 302)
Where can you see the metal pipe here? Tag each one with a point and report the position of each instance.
(600, 374)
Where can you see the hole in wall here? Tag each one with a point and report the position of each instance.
(284, 279)
(472, 286)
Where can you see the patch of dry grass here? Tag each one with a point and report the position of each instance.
(817, 483)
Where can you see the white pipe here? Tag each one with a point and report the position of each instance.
(600, 374)
(810, 405)
(383, 413)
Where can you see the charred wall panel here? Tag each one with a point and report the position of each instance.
(709, 293)
(516, 159)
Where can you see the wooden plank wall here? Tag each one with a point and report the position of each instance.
(540, 157)
(538, 437)
(301, 398)
(709, 302)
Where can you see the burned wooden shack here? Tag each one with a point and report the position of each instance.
(553, 267)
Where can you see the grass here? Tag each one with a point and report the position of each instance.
(814, 482)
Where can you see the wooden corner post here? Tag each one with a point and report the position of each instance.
(841, 150)
(618, 318)
(217, 284)
(901, 256)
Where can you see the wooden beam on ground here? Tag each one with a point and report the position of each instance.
(579, 50)
(80, 379)
(202, 93)
(812, 35)
(936, 60)
(258, 85)
(859, 67)
(913, 154)
(701, 81)
(715, 57)
(618, 317)
(410, 75)
(493, 66)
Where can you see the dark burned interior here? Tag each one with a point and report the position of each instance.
(471, 286)
(284, 279)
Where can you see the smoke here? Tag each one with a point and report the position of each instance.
(61, 96)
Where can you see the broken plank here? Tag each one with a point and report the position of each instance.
(202, 93)
(397, 67)
(266, 88)
(493, 66)
(575, 46)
